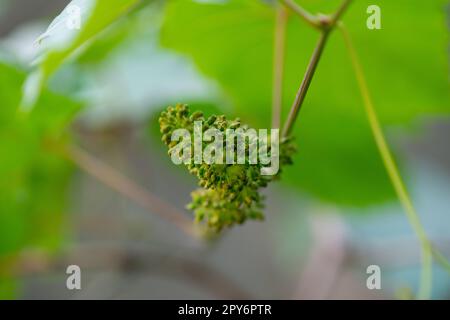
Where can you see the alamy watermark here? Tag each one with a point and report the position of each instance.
(73, 281)
(374, 19)
(232, 146)
(374, 279)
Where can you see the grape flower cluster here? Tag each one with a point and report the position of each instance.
(229, 193)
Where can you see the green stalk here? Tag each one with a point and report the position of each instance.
(278, 64)
(304, 86)
(326, 25)
(301, 12)
(392, 170)
(439, 257)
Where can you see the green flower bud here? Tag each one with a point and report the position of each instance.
(230, 193)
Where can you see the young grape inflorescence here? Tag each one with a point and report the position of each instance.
(229, 193)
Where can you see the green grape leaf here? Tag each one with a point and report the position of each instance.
(63, 38)
(34, 180)
(405, 63)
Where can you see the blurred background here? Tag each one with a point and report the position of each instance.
(333, 214)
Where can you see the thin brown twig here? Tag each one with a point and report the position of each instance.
(304, 86)
(278, 69)
(123, 185)
(340, 11)
(327, 24)
(303, 13)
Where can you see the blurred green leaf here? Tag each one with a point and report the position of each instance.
(405, 63)
(96, 16)
(34, 181)
(8, 288)
(140, 22)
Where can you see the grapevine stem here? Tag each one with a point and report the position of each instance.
(326, 25)
(302, 91)
(304, 14)
(118, 182)
(441, 259)
(278, 65)
(392, 170)
(339, 12)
